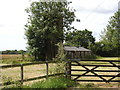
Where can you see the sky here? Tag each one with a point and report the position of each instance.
(93, 15)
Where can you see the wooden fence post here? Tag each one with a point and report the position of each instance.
(46, 69)
(69, 72)
(21, 73)
(68, 69)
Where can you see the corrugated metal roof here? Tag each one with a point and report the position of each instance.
(69, 48)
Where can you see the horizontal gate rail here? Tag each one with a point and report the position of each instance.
(98, 70)
(94, 75)
(97, 81)
(96, 60)
(96, 65)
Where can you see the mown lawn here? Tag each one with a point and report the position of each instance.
(108, 58)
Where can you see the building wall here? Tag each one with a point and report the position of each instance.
(77, 55)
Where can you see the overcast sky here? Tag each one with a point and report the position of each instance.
(94, 16)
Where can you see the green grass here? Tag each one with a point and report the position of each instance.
(54, 82)
(87, 86)
(107, 58)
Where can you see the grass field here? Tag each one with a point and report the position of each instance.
(18, 58)
(15, 59)
(108, 58)
(39, 70)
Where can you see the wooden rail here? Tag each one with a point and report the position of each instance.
(26, 64)
(22, 72)
(112, 63)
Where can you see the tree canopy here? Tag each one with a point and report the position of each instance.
(110, 33)
(82, 38)
(47, 23)
(110, 37)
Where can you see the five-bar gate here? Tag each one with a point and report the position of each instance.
(95, 67)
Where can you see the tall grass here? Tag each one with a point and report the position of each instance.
(53, 82)
(15, 59)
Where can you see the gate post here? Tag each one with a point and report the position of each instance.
(68, 69)
(21, 67)
(46, 69)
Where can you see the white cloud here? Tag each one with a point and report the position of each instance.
(94, 14)
(12, 20)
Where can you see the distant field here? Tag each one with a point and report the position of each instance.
(18, 58)
(14, 58)
(11, 56)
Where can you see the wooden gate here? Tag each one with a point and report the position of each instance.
(95, 67)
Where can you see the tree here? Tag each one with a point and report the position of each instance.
(110, 36)
(82, 38)
(47, 23)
